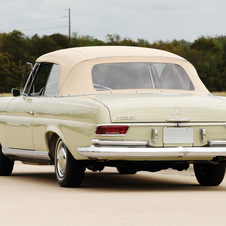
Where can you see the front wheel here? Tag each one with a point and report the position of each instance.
(208, 174)
(69, 172)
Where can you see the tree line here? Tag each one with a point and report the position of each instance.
(207, 54)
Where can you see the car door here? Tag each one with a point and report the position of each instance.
(44, 109)
(20, 112)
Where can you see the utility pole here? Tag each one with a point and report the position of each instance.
(69, 18)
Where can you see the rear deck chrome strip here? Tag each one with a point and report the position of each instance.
(137, 152)
(176, 120)
(28, 154)
(180, 124)
(176, 124)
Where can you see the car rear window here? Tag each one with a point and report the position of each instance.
(113, 76)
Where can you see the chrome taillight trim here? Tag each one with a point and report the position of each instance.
(109, 134)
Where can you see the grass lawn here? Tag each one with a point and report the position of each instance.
(5, 94)
(219, 93)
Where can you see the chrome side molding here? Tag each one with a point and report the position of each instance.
(19, 154)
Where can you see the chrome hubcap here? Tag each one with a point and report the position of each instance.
(61, 159)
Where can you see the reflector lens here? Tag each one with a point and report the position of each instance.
(112, 129)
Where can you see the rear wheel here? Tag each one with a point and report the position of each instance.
(69, 172)
(126, 170)
(6, 165)
(209, 174)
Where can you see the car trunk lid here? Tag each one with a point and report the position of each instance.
(162, 107)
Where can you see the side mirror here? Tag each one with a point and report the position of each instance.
(15, 92)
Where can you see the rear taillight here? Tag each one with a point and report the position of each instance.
(112, 129)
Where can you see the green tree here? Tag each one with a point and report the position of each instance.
(84, 40)
(207, 60)
(10, 73)
(113, 39)
(14, 44)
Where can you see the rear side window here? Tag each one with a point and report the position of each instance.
(51, 88)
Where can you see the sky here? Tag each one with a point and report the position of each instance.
(152, 20)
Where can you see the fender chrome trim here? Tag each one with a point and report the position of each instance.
(139, 152)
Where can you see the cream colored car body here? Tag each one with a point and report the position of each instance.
(29, 123)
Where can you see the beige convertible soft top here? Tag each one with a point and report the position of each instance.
(77, 63)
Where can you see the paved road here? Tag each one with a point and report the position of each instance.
(31, 196)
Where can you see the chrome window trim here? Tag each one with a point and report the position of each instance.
(141, 56)
(158, 91)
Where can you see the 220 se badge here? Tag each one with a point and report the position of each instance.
(136, 109)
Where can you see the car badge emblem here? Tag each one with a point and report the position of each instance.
(126, 118)
(176, 112)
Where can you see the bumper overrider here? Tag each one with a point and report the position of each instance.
(103, 149)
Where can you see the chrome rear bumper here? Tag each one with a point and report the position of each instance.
(103, 152)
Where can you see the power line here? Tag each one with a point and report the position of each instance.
(12, 15)
(43, 20)
(34, 21)
(43, 28)
(49, 11)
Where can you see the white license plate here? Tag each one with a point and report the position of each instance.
(178, 135)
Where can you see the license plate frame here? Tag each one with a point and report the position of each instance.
(172, 135)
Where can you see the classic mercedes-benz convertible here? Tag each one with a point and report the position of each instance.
(136, 109)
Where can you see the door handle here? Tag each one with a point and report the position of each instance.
(30, 112)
